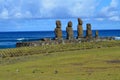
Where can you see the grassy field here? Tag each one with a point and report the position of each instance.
(87, 64)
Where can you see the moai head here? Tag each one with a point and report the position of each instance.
(58, 24)
(88, 26)
(80, 22)
(69, 24)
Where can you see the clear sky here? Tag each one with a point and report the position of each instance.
(103, 13)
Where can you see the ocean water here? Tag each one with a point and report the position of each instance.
(9, 39)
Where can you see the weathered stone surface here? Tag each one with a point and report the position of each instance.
(58, 31)
(80, 22)
(96, 34)
(69, 30)
(48, 42)
(80, 28)
(89, 32)
(46, 39)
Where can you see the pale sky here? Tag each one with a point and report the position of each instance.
(96, 10)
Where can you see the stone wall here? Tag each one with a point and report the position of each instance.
(49, 42)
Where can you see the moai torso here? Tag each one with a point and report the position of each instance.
(89, 32)
(58, 31)
(69, 30)
(80, 28)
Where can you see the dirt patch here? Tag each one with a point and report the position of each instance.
(77, 64)
(92, 68)
(113, 61)
(101, 68)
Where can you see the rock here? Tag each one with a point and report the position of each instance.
(69, 30)
(17, 70)
(80, 28)
(55, 72)
(88, 32)
(46, 39)
(58, 31)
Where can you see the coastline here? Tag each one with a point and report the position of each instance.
(10, 42)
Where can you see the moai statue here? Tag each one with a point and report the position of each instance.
(69, 30)
(88, 32)
(96, 34)
(58, 31)
(80, 28)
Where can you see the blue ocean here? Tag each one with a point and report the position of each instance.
(9, 39)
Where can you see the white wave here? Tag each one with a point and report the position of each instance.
(20, 39)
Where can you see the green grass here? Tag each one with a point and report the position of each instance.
(87, 64)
